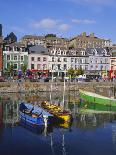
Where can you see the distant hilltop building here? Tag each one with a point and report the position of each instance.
(46, 41)
(89, 41)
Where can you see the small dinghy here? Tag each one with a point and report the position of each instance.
(34, 114)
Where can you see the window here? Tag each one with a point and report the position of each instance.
(38, 58)
(72, 59)
(106, 60)
(96, 60)
(59, 66)
(22, 58)
(8, 57)
(32, 66)
(44, 66)
(65, 66)
(8, 65)
(59, 60)
(15, 66)
(44, 59)
(65, 59)
(101, 67)
(101, 61)
(38, 66)
(52, 59)
(32, 58)
(15, 57)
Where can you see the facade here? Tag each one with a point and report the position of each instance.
(89, 41)
(1, 45)
(1, 61)
(38, 59)
(91, 60)
(47, 42)
(113, 63)
(56, 42)
(58, 61)
(99, 60)
(62, 59)
(33, 40)
(15, 54)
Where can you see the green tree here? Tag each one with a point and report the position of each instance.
(50, 35)
(79, 71)
(10, 69)
(71, 72)
(23, 68)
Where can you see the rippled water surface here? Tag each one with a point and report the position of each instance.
(88, 134)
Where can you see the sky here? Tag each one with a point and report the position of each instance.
(66, 18)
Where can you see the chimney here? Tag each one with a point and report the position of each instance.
(91, 34)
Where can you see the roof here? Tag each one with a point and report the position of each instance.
(94, 51)
(38, 49)
(16, 44)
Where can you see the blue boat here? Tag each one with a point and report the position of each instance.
(34, 114)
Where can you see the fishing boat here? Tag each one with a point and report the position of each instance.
(57, 111)
(96, 101)
(34, 114)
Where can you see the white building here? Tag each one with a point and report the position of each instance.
(38, 59)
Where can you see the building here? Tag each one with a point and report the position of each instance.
(89, 41)
(38, 60)
(1, 61)
(56, 42)
(45, 41)
(99, 60)
(31, 40)
(113, 63)
(16, 55)
(62, 59)
(58, 61)
(1, 46)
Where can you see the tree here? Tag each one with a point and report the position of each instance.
(79, 71)
(23, 68)
(10, 69)
(71, 72)
(50, 35)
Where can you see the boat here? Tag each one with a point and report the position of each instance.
(96, 101)
(34, 114)
(57, 111)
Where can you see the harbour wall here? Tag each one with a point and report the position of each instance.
(103, 88)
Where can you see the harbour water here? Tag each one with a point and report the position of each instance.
(88, 134)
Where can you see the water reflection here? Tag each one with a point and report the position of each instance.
(58, 139)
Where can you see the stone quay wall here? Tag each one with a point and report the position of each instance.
(26, 87)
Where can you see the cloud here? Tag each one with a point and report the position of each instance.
(49, 23)
(64, 27)
(45, 23)
(83, 21)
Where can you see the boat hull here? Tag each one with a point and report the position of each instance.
(57, 112)
(29, 119)
(97, 102)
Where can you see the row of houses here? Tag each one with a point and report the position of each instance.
(80, 41)
(58, 60)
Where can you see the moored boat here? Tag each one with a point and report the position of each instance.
(34, 114)
(98, 102)
(57, 111)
